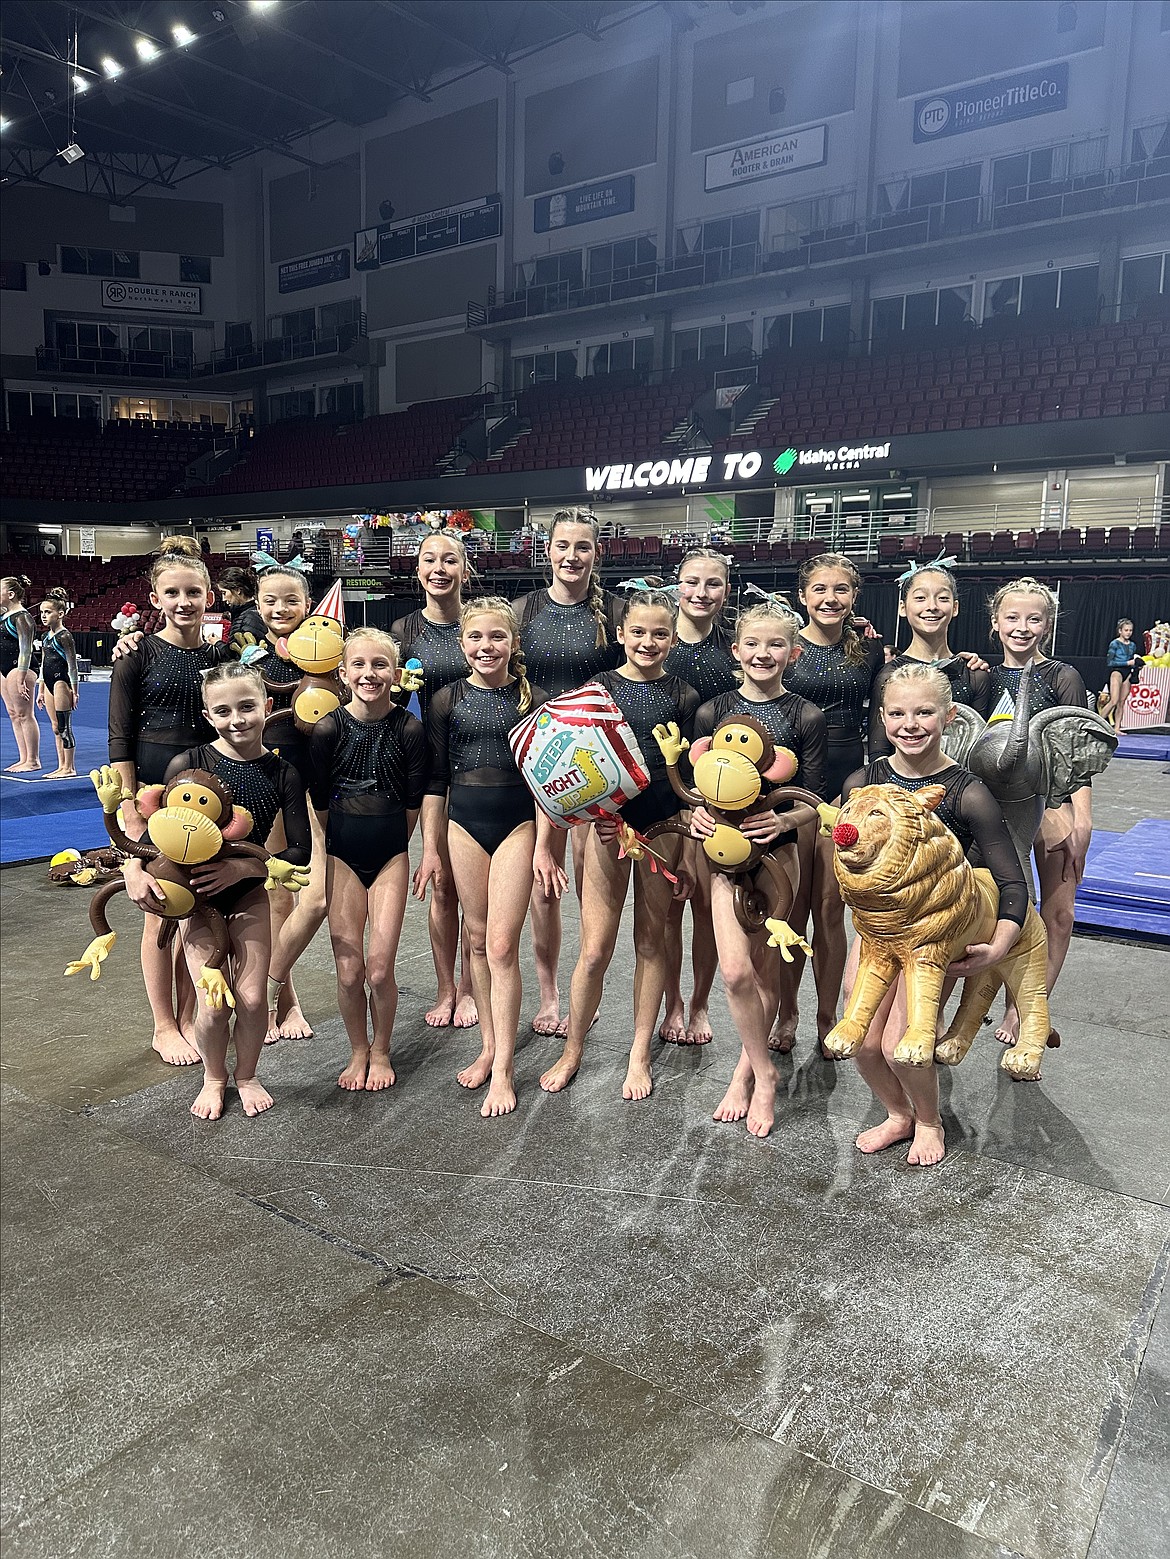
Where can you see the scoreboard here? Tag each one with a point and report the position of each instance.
(429, 233)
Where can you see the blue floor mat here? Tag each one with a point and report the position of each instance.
(1138, 744)
(1126, 886)
(39, 816)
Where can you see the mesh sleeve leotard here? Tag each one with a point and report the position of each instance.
(645, 705)
(282, 735)
(367, 774)
(156, 704)
(267, 787)
(436, 647)
(1052, 683)
(707, 666)
(824, 675)
(10, 626)
(560, 642)
(791, 721)
(472, 763)
(972, 814)
(969, 687)
(54, 662)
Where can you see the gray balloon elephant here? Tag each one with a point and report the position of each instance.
(1031, 764)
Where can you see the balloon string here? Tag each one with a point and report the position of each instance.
(645, 849)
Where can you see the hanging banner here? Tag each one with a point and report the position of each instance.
(588, 203)
(155, 297)
(996, 101)
(788, 152)
(87, 545)
(315, 271)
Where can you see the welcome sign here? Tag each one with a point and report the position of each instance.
(766, 158)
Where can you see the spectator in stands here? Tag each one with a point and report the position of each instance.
(204, 547)
(703, 658)
(840, 657)
(430, 636)
(57, 687)
(17, 677)
(1023, 615)
(1119, 661)
(568, 631)
(237, 588)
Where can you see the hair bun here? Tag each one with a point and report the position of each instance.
(179, 546)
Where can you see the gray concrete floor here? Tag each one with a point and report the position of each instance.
(378, 1325)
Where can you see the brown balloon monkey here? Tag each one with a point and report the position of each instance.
(191, 822)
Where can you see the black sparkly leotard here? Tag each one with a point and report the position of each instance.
(436, 647)
(791, 721)
(969, 687)
(560, 642)
(282, 735)
(472, 763)
(367, 774)
(54, 660)
(972, 814)
(823, 674)
(1052, 683)
(10, 626)
(645, 705)
(156, 704)
(267, 787)
(708, 665)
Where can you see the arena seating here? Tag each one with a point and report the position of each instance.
(124, 462)
(98, 590)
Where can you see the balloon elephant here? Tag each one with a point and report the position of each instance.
(1031, 763)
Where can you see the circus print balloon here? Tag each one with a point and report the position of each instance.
(578, 756)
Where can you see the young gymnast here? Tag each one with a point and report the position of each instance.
(929, 601)
(57, 686)
(1118, 673)
(369, 771)
(702, 657)
(1023, 616)
(764, 637)
(269, 789)
(835, 670)
(568, 632)
(917, 707)
(156, 711)
(430, 635)
(17, 677)
(647, 696)
(477, 798)
(283, 601)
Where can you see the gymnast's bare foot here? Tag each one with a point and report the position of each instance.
(208, 1104)
(783, 1035)
(501, 1097)
(761, 1115)
(353, 1077)
(253, 1095)
(466, 1013)
(380, 1074)
(698, 1030)
(548, 1015)
(674, 1026)
(294, 1024)
(441, 1014)
(928, 1146)
(639, 1083)
(734, 1104)
(1009, 1030)
(174, 1048)
(562, 1072)
(895, 1128)
(475, 1075)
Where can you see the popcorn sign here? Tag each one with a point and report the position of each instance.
(578, 756)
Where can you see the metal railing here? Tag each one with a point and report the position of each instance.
(109, 362)
(284, 349)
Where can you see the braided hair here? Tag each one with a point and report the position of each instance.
(850, 638)
(496, 606)
(596, 593)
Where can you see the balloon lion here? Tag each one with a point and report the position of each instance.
(917, 903)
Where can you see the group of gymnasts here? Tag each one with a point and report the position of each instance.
(52, 685)
(345, 800)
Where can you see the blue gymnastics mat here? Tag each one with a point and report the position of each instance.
(39, 816)
(1152, 746)
(1126, 886)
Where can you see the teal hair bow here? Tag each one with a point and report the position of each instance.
(917, 568)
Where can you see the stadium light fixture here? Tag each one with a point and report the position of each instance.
(261, 5)
(111, 67)
(145, 49)
(4, 123)
(71, 153)
(182, 35)
(80, 83)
